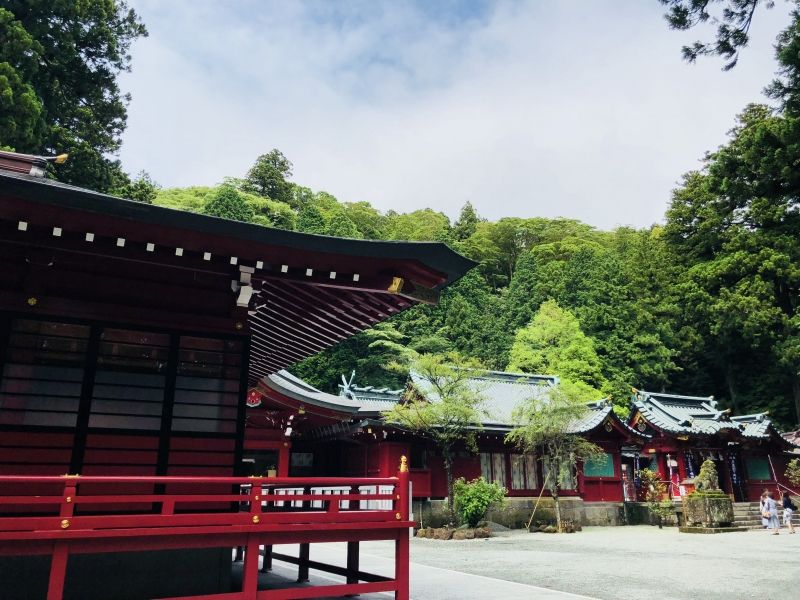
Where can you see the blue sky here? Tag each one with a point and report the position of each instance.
(575, 108)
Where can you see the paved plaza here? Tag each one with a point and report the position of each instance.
(604, 563)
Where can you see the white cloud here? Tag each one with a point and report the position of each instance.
(573, 109)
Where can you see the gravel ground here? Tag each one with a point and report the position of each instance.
(621, 563)
(626, 563)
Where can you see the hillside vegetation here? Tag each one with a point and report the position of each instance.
(702, 305)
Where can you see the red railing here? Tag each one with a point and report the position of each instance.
(67, 515)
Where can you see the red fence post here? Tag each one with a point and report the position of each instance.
(58, 570)
(402, 544)
(252, 548)
(58, 561)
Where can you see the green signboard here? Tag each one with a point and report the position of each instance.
(602, 466)
(758, 468)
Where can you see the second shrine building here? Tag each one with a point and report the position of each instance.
(295, 429)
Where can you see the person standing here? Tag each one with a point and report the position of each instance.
(770, 513)
(788, 510)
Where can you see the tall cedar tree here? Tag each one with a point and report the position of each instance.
(268, 177)
(59, 62)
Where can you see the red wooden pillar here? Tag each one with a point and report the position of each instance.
(402, 544)
(283, 459)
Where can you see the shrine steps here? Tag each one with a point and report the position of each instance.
(747, 514)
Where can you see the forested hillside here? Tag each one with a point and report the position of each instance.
(706, 303)
(692, 307)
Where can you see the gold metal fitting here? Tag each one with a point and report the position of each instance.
(32, 301)
(238, 325)
(256, 498)
(403, 464)
(68, 499)
(68, 475)
(398, 496)
(256, 519)
(397, 516)
(396, 286)
(256, 476)
(64, 523)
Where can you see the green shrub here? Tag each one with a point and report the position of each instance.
(474, 499)
(793, 471)
(658, 503)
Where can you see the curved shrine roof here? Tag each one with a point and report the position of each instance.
(698, 415)
(294, 294)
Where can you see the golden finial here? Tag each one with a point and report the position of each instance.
(403, 464)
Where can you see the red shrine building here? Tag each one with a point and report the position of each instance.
(129, 336)
(749, 453)
(300, 430)
(306, 431)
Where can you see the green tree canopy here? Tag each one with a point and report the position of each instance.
(426, 224)
(554, 344)
(227, 203)
(467, 222)
(736, 224)
(311, 220)
(59, 62)
(268, 177)
(733, 21)
(141, 189)
(340, 225)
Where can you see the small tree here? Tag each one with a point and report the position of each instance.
(793, 471)
(443, 406)
(545, 425)
(474, 499)
(655, 491)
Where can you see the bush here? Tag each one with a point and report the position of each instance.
(659, 505)
(474, 499)
(793, 471)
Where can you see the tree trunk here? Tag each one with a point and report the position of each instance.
(730, 376)
(796, 394)
(448, 469)
(558, 510)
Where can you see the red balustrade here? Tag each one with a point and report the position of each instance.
(60, 516)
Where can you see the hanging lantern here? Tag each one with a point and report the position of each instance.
(254, 399)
